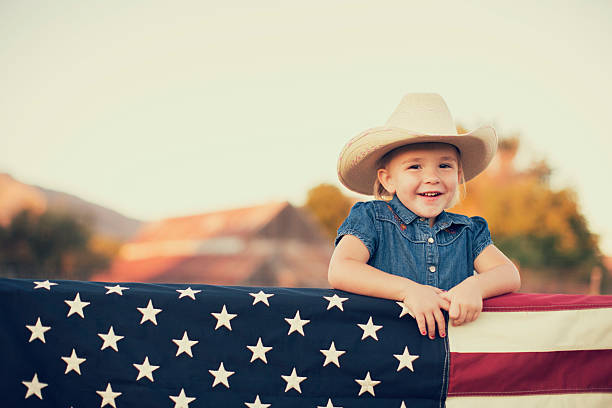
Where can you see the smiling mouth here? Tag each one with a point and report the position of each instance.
(430, 194)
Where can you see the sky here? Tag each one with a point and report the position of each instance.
(163, 109)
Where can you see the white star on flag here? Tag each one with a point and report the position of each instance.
(115, 289)
(329, 405)
(259, 351)
(181, 400)
(223, 318)
(73, 363)
(369, 329)
(76, 306)
(221, 375)
(108, 396)
(261, 297)
(34, 387)
(296, 324)
(110, 339)
(367, 384)
(293, 381)
(149, 313)
(405, 360)
(145, 369)
(335, 301)
(38, 331)
(44, 284)
(188, 292)
(331, 355)
(184, 345)
(256, 404)
(405, 311)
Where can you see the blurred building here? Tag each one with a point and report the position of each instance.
(267, 245)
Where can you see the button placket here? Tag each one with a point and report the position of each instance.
(431, 256)
(431, 268)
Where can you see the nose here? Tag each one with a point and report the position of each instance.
(430, 176)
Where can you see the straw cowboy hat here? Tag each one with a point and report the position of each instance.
(418, 118)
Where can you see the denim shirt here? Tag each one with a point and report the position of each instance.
(403, 244)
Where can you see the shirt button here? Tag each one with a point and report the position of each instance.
(430, 240)
(421, 219)
(432, 268)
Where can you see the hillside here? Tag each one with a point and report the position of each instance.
(15, 196)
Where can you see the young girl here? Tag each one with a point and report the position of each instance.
(408, 248)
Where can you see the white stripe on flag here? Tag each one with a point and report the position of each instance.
(585, 329)
(590, 400)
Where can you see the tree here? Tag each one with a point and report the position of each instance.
(539, 227)
(329, 206)
(50, 245)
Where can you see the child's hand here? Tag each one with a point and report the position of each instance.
(465, 301)
(425, 304)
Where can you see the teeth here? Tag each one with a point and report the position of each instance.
(430, 194)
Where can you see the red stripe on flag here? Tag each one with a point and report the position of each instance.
(551, 372)
(515, 302)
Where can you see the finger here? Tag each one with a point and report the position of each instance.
(469, 316)
(457, 316)
(462, 315)
(420, 318)
(454, 311)
(476, 314)
(438, 290)
(444, 303)
(431, 325)
(441, 323)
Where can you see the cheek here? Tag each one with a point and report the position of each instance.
(407, 181)
(452, 181)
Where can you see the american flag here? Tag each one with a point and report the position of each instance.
(92, 344)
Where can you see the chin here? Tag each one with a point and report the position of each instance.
(427, 214)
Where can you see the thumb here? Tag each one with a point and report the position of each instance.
(445, 301)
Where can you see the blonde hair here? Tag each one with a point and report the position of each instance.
(381, 193)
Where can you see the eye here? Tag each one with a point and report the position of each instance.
(414, 167)
(446, 166)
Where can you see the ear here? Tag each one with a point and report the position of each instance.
(384, 176)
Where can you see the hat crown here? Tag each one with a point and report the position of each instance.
(425, 113)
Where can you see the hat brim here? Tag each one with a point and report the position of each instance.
(357, 164)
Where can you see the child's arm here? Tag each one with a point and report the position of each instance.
(496, 275)
(349, 271)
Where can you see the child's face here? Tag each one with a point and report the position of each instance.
(425, 178)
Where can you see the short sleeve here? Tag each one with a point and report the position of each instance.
(482, 236)
(360, 223)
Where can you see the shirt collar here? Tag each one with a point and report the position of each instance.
(444, 219)
(402, 211)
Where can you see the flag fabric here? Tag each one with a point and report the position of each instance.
(92, 344)
(534, 350)
(88, 344)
